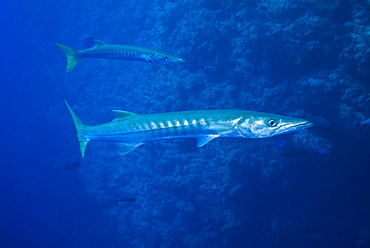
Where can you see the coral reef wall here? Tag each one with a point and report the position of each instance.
(300, 58)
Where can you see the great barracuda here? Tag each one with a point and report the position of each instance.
(102, 50)
(132, 130)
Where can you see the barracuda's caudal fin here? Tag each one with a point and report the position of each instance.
(79, 128)
(70, 53)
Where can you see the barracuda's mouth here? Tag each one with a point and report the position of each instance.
(292, 127)
(303, 124)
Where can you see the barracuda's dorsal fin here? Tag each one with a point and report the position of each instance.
(99, 43)
(122, 115)
(201, 141)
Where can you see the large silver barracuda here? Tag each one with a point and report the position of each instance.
(133, 130)
(102, 50)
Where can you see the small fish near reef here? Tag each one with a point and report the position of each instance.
(293, 152)
(69, 166)
(132, 130)
(126, 199)
(365, 122)
(102, 50)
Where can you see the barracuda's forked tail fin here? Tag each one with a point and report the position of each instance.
(70, 53)
(80, 126)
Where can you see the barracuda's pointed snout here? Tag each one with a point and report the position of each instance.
(290, 124)
(307, 123)
(293, 125)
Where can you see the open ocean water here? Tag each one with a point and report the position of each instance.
(305, 58)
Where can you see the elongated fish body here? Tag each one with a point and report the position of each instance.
(102, 50)
(132, 130)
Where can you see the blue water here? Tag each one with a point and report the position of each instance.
(305, 59)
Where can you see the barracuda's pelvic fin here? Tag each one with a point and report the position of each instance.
(127, 148)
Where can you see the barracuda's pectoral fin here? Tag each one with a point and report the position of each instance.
(218, 129)
(201, 141)
(148, 58)
(127, 148)
(123, 115)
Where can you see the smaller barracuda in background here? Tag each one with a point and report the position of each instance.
(102, 50)
(133, 130)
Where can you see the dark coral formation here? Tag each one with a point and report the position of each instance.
(296, 58)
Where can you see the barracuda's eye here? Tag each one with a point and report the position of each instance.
(165, 58)
(272, 123)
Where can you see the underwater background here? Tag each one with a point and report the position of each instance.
(301, 58)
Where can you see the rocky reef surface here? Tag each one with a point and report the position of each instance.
(303, 58)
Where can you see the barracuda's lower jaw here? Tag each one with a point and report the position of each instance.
(294, 127)
(307, 124)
